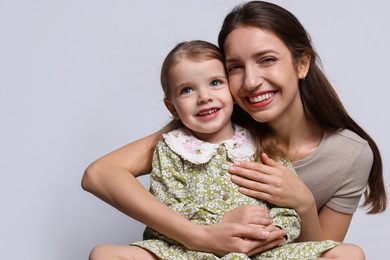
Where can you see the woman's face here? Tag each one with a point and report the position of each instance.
(262, 77)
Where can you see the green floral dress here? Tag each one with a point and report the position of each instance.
(191, 176)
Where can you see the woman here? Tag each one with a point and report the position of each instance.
(281, 93)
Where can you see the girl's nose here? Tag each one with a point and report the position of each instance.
(204, 97)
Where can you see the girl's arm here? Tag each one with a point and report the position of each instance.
(284, 189)
(112, 178)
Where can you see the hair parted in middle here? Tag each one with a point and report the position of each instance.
(196, 50)
(320, 101)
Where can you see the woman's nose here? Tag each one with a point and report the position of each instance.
(253, 79)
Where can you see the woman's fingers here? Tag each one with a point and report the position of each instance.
(248, 214)
(266, 246)
(268, 161)
(275, 238)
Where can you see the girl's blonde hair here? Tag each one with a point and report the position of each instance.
(196, 51)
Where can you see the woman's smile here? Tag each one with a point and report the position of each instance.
(261, 100)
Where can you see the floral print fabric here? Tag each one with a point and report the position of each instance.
(191, 177)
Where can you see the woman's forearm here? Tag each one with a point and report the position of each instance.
(310, 224)
(123, 191)
(112, 178)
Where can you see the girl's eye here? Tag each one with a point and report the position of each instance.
(215, 83)
(185, 90)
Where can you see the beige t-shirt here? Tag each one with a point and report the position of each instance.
(337, 171)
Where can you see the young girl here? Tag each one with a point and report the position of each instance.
(190, 165)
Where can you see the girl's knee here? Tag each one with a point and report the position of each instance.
(113, 252)
(101, 252)
(356, 252)
(345, 251)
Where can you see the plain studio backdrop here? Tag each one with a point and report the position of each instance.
(80, 78)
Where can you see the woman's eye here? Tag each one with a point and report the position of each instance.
(186, 90)
(268, 60)
(232, 68)
(215, 83)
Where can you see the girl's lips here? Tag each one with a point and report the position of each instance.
(207, 114)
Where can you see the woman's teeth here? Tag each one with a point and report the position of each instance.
(260, 97)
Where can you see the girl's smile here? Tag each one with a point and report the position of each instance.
(207, 114)
(201, 98)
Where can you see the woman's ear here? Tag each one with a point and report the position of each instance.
(303, 66)
(171, 108)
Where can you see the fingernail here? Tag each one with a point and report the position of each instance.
(265, 234)
(232, 169)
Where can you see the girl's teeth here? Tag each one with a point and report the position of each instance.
(260, 98)
(207, 112)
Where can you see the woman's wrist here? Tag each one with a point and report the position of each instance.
(306, 206)
(194, 236)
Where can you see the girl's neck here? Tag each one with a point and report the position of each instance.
(225, 133)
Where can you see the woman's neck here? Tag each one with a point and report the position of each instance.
(299, 136)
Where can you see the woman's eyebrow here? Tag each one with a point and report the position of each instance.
(255, 55)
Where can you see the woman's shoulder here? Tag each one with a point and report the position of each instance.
(343, 146)
(346, 145)
(346, 135)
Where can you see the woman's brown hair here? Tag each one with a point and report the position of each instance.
(321, 104)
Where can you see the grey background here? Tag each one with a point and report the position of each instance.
(81, 78)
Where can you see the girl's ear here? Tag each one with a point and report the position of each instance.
(171, 108)
(303, 66)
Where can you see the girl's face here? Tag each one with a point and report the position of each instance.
(262, 77)
(200, 97)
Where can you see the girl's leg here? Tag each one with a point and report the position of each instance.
(112, 252)
(344, 251)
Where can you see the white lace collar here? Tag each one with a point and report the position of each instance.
(181, 141)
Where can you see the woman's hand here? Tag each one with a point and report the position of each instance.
(249, 214)
(223, 238)
(272, 182)
(261, 236)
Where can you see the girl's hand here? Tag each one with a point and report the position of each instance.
(272, 182)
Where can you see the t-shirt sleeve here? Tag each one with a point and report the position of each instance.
(347, 197)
